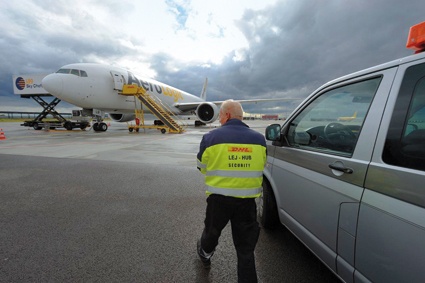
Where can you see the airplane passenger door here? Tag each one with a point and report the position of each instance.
(118, 80)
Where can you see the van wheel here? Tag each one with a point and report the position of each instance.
(266, 208)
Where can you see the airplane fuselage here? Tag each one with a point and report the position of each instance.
(96, 86)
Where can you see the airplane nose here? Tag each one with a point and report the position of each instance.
(53, 84)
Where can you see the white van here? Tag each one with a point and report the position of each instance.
(346, 172)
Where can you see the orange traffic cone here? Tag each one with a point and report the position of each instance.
(2, 136)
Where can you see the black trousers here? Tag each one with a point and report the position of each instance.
(242, 214)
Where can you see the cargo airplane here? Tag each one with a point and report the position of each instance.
(96, 88)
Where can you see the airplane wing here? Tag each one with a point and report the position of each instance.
(191, 106)
(262, 100)
(187, 106)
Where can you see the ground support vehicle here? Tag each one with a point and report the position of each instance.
(351, 188)
(53, 124)
(77, 121)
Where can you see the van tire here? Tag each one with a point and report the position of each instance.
(266, 208)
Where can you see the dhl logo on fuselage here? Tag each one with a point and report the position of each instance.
(167, 91)
(246, 149)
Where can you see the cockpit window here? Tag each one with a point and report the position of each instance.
(63, 71)
(76, 72)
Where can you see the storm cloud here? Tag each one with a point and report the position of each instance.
(292, 47)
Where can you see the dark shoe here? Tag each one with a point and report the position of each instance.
(206, 261)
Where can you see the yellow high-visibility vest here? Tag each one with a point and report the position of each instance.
(234, 169)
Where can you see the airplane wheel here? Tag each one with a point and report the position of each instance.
(103, 127)
(96, 127)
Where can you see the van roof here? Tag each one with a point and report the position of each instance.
(376, 68)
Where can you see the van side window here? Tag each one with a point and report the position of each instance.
(332, 122)
(405, 143)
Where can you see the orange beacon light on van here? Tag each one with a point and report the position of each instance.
(416, 38)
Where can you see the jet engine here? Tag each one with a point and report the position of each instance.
(207, 112)
(122, 117)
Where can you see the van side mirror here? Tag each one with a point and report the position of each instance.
(273, 132)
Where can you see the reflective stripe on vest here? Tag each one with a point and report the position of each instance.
(242, 192)
(237, 174)
(201, 165)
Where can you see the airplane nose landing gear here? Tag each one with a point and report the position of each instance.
(100, 127)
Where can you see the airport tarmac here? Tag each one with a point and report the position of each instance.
(116, 144)
(80, 206)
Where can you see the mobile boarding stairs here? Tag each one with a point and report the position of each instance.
(156, 107)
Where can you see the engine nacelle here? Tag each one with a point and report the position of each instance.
(122, 117)
(207, 112)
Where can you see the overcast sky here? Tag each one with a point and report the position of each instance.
(246, 48)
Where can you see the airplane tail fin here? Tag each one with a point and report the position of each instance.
(204, 90)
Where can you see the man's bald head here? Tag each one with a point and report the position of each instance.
(230, 109)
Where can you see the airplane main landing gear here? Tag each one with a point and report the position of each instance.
(100, 127)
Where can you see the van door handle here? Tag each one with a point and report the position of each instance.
(339, 166)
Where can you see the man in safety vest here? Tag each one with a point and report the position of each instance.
(232, 158)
